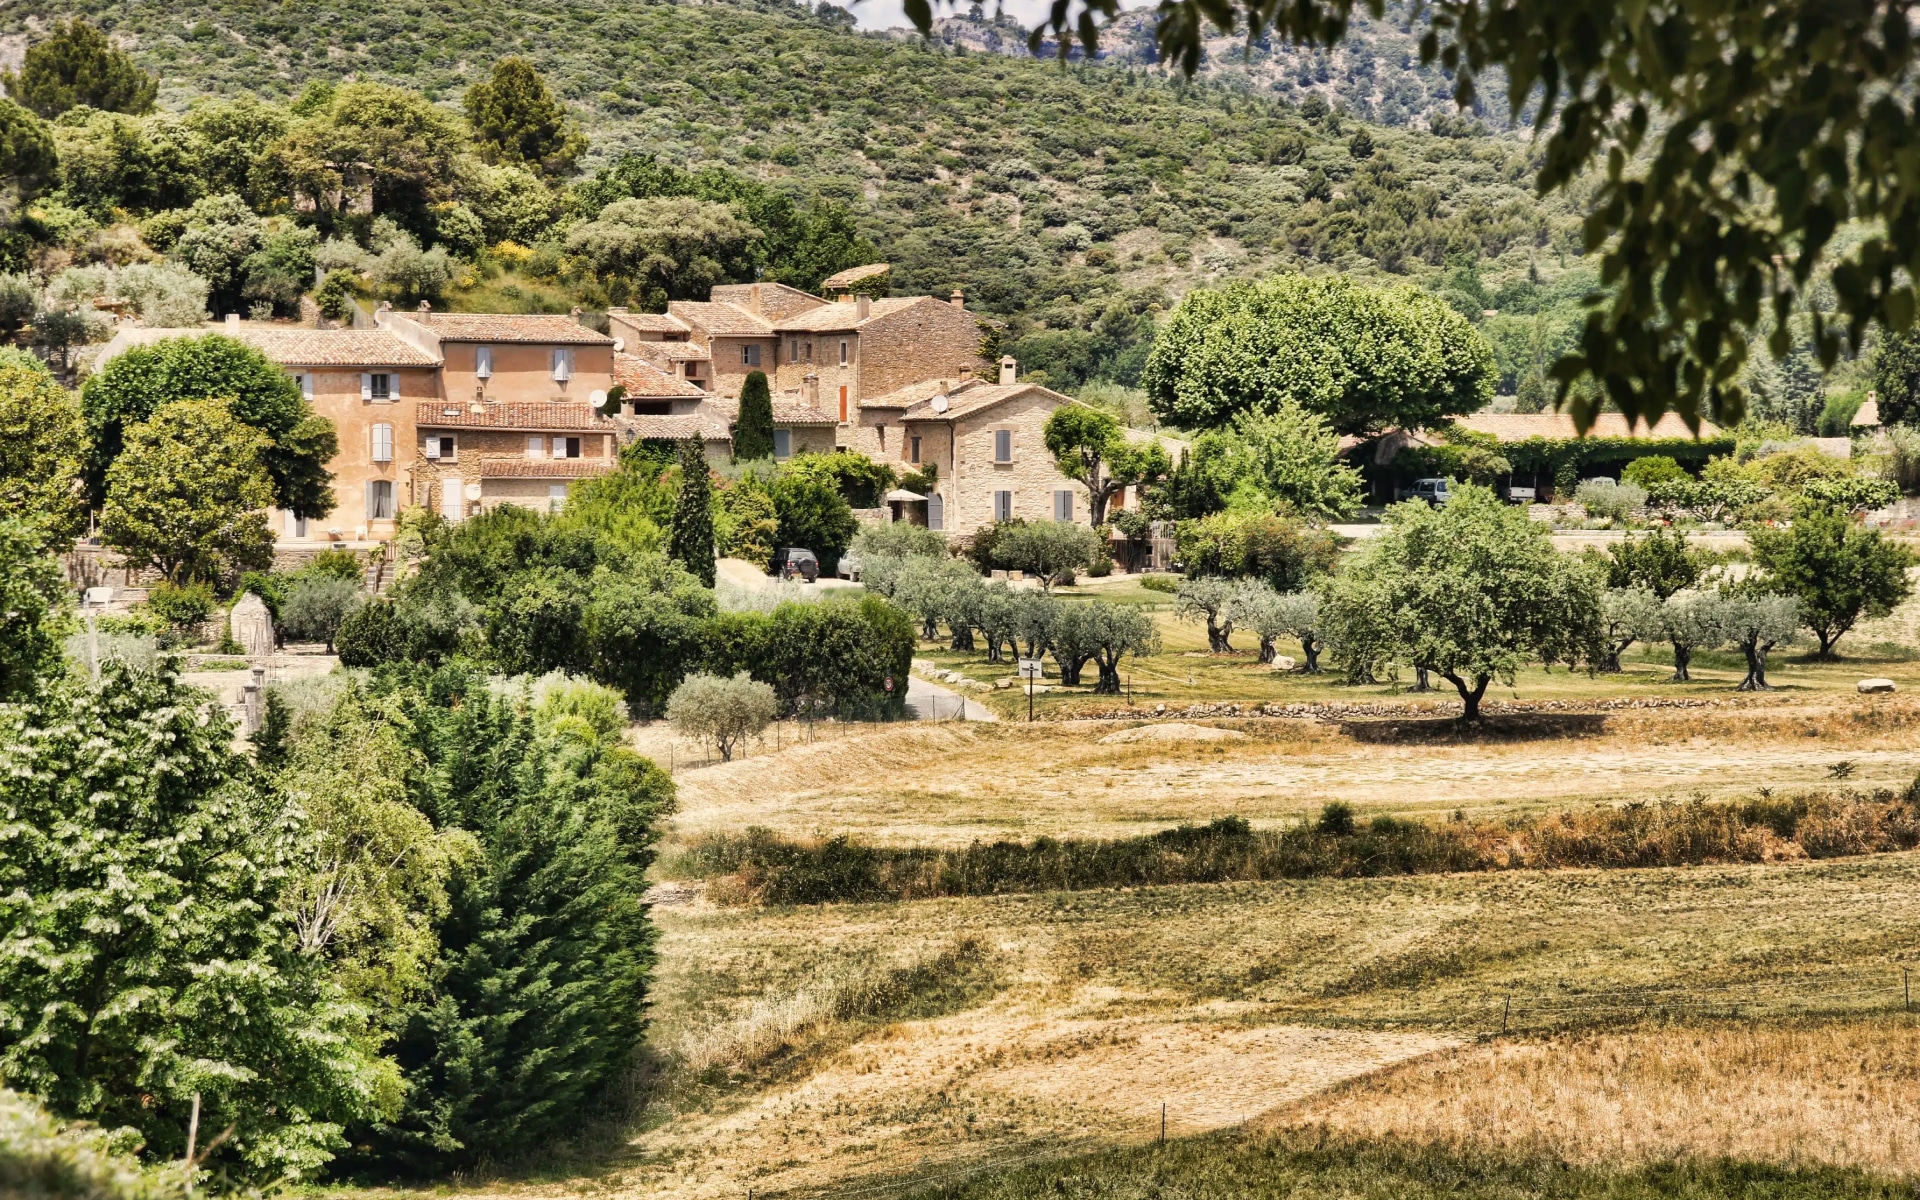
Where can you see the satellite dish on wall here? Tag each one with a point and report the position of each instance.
(619, 345)
(939, 403)
(597, 398)
(473, 491)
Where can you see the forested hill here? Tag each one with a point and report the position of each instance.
(1068, 201)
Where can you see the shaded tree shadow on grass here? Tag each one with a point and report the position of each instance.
(1490, 728)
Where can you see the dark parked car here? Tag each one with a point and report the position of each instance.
(789, 561)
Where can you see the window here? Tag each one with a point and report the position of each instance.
(440, 446)
(562, 364)
(382, 443)
(566, 447)
(379, 500)
(379, 386)
(556, 497)
(483, 361)
(536, 447)
(306, 387)
(1063, 505)
(809, 346)
(936, 512)
(1003, 506)
(296, 526)
(749, 356)
(843, 352)
(783, 443)
(913, 451)
(1003, 445)
(843, 404)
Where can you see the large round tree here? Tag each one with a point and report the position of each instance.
(136, 384)
(1367, 359)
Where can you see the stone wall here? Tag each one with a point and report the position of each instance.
(1031, 476)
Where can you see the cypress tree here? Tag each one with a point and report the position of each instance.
(753, 432)
(691, 542)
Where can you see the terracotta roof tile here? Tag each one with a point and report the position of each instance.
(650, 322)
(506, 467)
(830, 318)
(853, 275)
(643, 379)
(914, 393)
(291, 346)
(726, 320)
(707, 426)
(512, 414)
(669, 352)
(962, 402)
(510, 327)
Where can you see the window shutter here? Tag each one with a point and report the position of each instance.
(936, 512)
(536, 447)
(559, 447)
(393, 386)
(366, 385)
(367, 512)
(306, 388)
(433, 447)
(483, 362)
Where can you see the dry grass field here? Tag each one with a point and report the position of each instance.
(1752, 1011)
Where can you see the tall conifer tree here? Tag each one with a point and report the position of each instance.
(753, 432)
(691, 542)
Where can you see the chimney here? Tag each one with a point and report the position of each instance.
(863, 306)
(425, 307)
(233, 322)
(959, 301)
(811, 390)
(1008, 368)
(381, 314)
(753, 299)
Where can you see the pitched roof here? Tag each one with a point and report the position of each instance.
(337, 348)
(669, 352)
(1518, 427)
(649, 322)
(830, 318)
(853, 275)
(965, 401)
(769, 300)
(913, 393)
(510, 327)
(507, 467)
(719, 319)
(706, 426)
(535, 415)
(291, 346)
(1867, 416)
(642, 379)
(788, 409)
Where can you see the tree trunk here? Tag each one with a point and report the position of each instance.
(1469, 696)
(1218, 632)
(1266, 649)
(1828, 637)
(930, 628)
(1756, 680)
(1682, 656)
(1420, 681)
(1070, 668)
(1310, 649)
(1610, 660)
(1109, 682)
(1097, 498)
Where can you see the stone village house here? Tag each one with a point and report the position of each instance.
(460, 412)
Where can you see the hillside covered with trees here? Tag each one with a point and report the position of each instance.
(1072, 204)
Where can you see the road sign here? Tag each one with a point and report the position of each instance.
(1030, 669)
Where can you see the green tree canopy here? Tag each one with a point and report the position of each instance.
(186, 495)
(1468, 591)
(1662, 562)
(690, 541)
(32, 591)
(132, 813)
(1838, 569)
(670, 248)
(133, 385)
(1090, 448)
(1289, 457)
(753, 432)
(396, 144)
(1737, 141)
(1367, 359)
(77, 66)
(516, 119)
(42, 447)
(814, 514)
(28, 159)
(1896, 379)
(1049, 551)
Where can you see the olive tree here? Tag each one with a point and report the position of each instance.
(1115, 631)
(1272, 614)
(1050, 551)
(315, 608)
(726, 712)
(1474, 590)
(1755, 623)
(1210, 599)
(1690, 620)
(1627, 615)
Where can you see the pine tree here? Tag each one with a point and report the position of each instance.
(753, 432)
(516, 119)
(691, 542)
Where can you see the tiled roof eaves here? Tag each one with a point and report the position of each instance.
(529, 415)
(544, 468)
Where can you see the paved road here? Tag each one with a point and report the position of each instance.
(931, 702)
